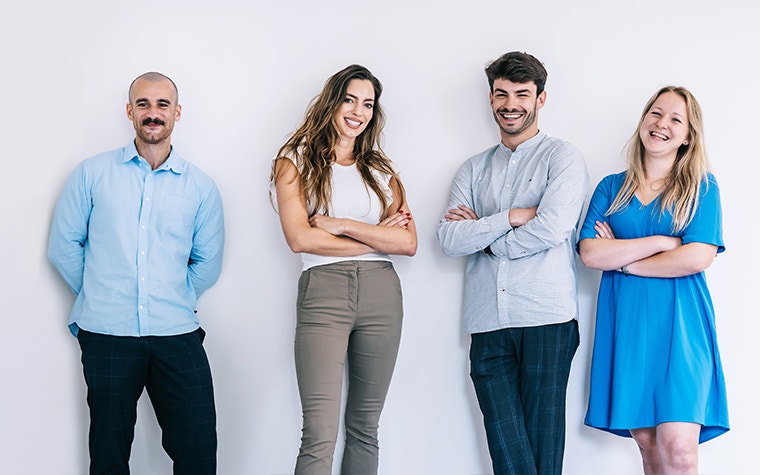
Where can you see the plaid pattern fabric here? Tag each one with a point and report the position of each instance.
(520, 377)
(175, 372)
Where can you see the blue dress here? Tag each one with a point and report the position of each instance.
(655, 356)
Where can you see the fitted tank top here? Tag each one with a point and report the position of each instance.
(352, 199)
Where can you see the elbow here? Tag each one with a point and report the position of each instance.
(701, 264)
(406, 248)
(591, 261)
(296, 248)
(296, 245)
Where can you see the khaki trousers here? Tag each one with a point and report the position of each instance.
(347, 312)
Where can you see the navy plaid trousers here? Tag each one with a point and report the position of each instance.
(175, 372)
(520, 377)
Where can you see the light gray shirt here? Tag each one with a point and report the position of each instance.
(530, 279)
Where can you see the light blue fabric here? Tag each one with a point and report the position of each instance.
(137, 246)
(655, 356)
(530, 280)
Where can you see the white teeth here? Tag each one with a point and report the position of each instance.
(659, 135)
(353, 123)
(511, 116)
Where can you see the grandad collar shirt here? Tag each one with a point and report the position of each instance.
(137, 246)
(528, 277)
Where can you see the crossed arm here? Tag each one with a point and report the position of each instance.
(342, 237)
(650, 256)
(517, 216)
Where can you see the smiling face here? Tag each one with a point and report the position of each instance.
(515, 109)
(356, 111)
(665, 127)
(153, 110)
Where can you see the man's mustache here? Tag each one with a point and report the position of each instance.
(156, 121)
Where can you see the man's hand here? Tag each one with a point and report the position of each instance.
(520, 216)
(460, 213)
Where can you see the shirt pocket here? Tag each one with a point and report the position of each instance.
(179, 216)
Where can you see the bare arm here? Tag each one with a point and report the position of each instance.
(651, 256)
(685, 260)
(396, 234)
(294, 219)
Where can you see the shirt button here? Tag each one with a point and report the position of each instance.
(147, 198)
(142, 253)
(143, 226)
(142, 279)
(141, 307)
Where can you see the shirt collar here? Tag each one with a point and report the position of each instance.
(526, 146)
(174, 162)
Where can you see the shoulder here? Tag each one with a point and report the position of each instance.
(709, 186)
(557, 148)
(709, 180)
(200, 178)
(480, 158)
(104, 159)
(612, 181)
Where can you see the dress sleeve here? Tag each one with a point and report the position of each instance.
(600, 202)
(707, 226)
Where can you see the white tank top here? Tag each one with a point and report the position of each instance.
(353, 199)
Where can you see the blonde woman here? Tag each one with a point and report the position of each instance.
(653, 229)
(343, 208)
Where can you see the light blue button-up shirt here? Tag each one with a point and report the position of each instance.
(530, 279)
(137, 246)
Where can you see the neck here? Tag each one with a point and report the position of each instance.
(514, 141)
(657, 168)
(154, 154)
(344, 152)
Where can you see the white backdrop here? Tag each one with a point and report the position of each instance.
(246, 71)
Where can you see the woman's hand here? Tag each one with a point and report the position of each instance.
(334, 226)
(400, 219)
(603, 230)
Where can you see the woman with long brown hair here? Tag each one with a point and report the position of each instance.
(343, 208)
(653, 229)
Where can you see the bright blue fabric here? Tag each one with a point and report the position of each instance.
(655, 356)
(137, 246)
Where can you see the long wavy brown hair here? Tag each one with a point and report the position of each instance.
(681, 192)
(313, 144)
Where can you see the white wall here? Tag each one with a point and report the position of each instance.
(246, 71)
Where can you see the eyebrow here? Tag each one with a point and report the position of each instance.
(519, 91)
(348, 94)
(145, 99)
(661, 110)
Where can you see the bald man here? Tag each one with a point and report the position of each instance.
(138, 235)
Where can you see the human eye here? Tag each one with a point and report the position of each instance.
(369, 105)
(348, 100)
